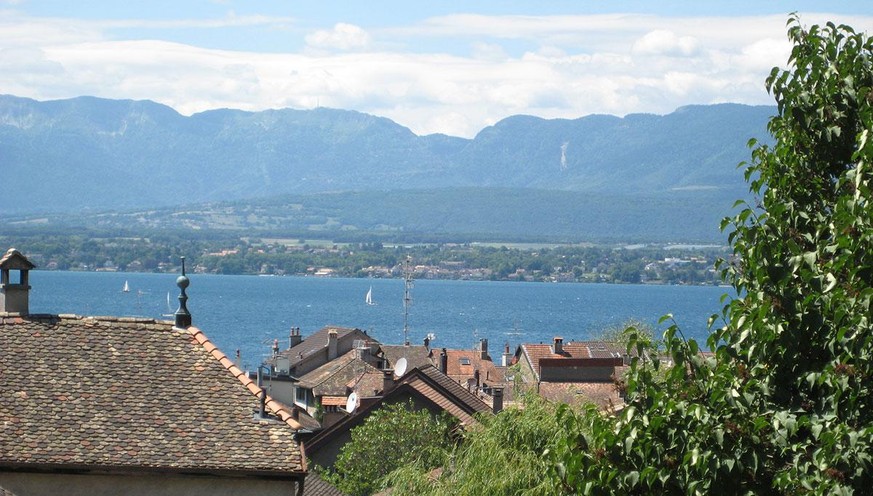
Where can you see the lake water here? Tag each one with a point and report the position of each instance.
(248, 312)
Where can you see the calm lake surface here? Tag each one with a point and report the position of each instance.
(248, 312)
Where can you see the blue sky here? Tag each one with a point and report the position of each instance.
(442, 66)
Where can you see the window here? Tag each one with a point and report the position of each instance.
(465, 361)
(300, 396)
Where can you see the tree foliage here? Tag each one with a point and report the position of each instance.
(393, 436)
(783, 405)
(503, 455)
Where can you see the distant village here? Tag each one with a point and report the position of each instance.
(646, 264)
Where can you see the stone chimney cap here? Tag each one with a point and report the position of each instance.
(13, 259)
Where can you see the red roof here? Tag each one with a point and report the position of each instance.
(571, 352)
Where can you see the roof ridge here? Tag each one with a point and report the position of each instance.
(274, 406)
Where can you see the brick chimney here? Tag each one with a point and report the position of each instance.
(559, 345)
(14, 286)
(331, 344)
(483, 349)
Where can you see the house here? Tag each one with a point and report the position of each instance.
(324, 390)
(118, 405)
(474, 370)
(573, 372)
(428, 389)
(305, 355)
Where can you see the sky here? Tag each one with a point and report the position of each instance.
(442, 66)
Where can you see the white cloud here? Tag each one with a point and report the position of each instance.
(345, 37)
(663, 42)
(453, 74)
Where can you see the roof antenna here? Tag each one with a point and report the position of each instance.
(183, 316)
(407, 298)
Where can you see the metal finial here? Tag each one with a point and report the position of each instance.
(183, 316)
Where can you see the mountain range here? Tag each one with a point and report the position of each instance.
(90, 155)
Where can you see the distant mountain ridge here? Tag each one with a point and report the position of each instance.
(91, 153)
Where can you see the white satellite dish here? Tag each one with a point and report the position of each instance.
(352, 402)
(400, 367)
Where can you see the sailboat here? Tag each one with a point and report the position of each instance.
(170, 312)
(369, 298)
(126, 288)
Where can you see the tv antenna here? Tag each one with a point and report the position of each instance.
(407, 297)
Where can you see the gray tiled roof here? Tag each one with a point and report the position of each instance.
(318, 340)
(415, 355)
(316, 486)
(332, 378)
(132, 394)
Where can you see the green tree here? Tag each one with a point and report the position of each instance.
(785, 405)
(393, 436)
(503, 455)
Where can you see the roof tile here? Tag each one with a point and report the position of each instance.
(132, 393)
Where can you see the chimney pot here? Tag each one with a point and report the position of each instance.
(387, 380)
(331, 344)
(497, 400)
(14, 291)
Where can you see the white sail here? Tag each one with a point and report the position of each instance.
(126, 288)
(369, 297)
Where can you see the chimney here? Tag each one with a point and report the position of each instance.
(444, 361)
(497, 400)
(483, 349)
(183, 316)
(387, 380)
(559, 345)
(331, 344)
(507, 357)
(427, 342)
(476, 377)
(14, 286)
(275, 347)
(294, 337)
(362, 349)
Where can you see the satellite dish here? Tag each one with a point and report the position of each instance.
(400, 367)
(352, 402)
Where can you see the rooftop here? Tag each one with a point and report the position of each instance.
(120, 394)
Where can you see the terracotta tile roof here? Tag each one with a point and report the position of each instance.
(120, 394)
(572, 350)
(334, 400)
(442, 390)
(462, 364)
(332, 378)
(426, 383)
(602, 394)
